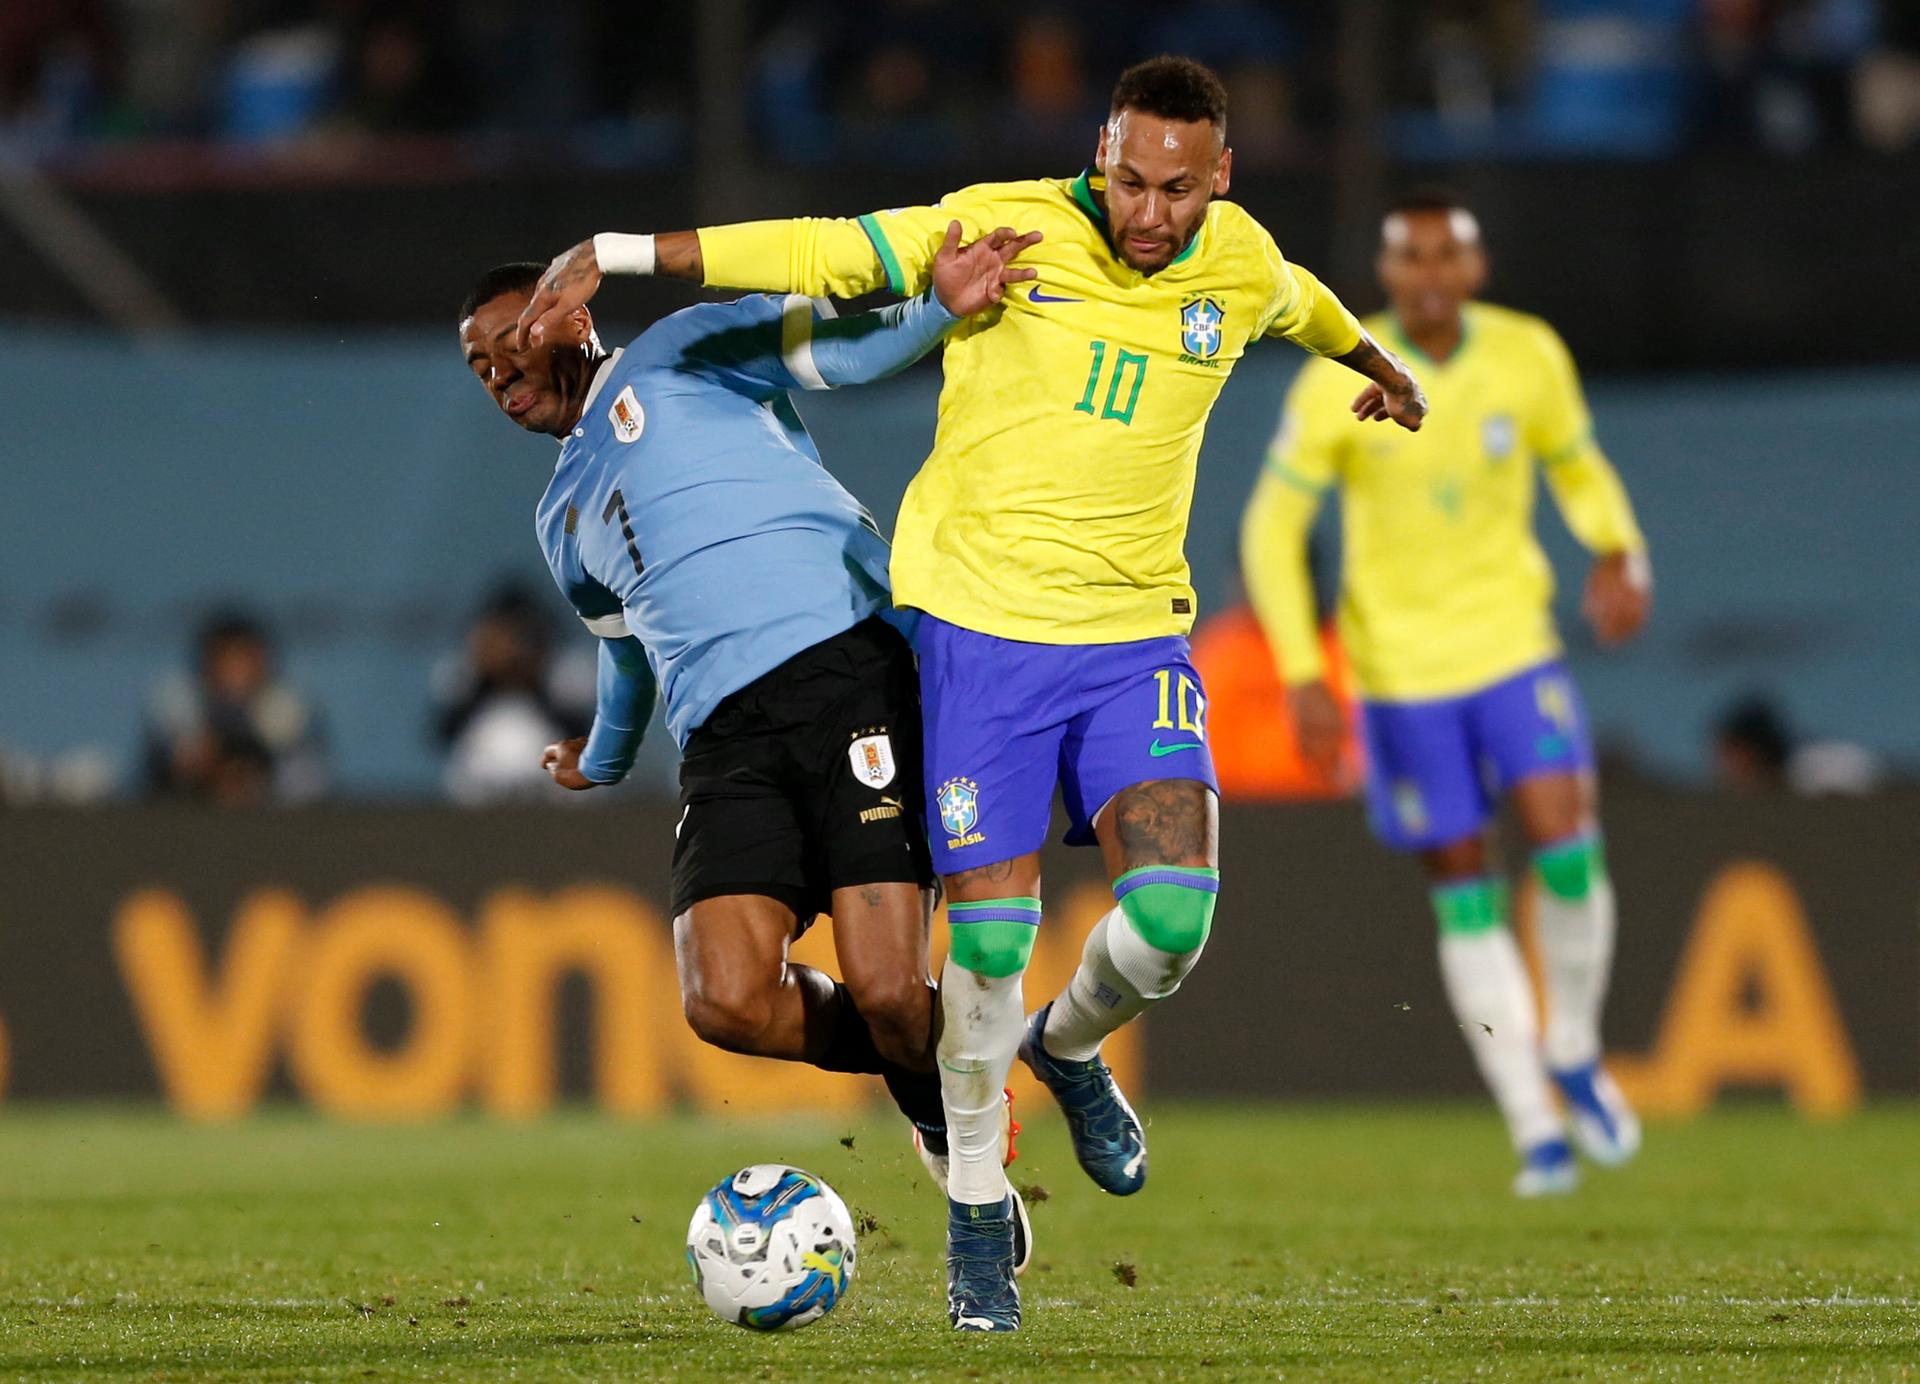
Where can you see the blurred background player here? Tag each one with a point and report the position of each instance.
(692, 527)
(1446, 616)
(1054, 594)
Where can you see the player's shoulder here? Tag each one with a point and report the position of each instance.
(1234, 224)
(1522, 333)
(702, 322)
(1055, 193)
(697, 340)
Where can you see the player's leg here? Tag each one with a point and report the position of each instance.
(743, 887)
(990, 761)
(1541, 748)
(1137, 775)
(1425, 797)
(741, 993)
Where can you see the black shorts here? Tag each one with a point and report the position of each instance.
(807, 779)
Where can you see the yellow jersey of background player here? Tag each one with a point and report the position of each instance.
(1042, 542)
(1445, 610)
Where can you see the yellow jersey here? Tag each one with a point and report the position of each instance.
(1445, 588)
(1054, 505)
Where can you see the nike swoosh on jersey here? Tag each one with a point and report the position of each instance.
(1158, 751)
(1038, 297)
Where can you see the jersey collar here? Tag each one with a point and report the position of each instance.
(1406, 346)
(600, 377)
(1085, 191)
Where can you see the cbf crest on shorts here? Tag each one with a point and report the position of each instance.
(1200, 328)
(959, 803)
(872, 759)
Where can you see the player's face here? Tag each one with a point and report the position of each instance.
(1160, 176)
(1430, 264)
(531, 387)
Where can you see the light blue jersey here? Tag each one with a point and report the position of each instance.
(690, 510)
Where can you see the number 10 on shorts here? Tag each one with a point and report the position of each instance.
(1178, 688)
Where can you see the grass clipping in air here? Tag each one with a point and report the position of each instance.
(1306, 1242)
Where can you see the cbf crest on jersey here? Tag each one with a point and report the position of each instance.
(628, 418)
(872, 759)
(958, 802)
(1200, 328)
(1498, 435)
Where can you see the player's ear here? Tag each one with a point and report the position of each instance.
(1223, 172)
(1477, 275)
(1100, 147)
(577, 328)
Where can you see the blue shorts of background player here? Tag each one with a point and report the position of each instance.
(1007, 720)
(1437, 770)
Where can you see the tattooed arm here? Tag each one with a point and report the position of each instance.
(1394, 392)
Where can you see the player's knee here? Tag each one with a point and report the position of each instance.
(1463, 907)
(1569, 869)
(992, 937)
(736, 1018)
(1168, 911)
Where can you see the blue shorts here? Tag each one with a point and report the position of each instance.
(1007, 720)
(1436, 770)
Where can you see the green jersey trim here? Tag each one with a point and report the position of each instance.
(895, 279)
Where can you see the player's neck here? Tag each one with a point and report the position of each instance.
(1437, 341)
(575, 387)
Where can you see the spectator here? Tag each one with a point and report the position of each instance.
(230, 732)
(59, 63)
(1751, 746)
(499, 704)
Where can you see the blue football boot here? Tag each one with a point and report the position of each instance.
(981, 1293)
(1547, 1170)
(1107, 1138)
(1604, 1124)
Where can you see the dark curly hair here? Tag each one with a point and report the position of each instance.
(1173, 88)
(519, 277)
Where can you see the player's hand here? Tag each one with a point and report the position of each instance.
(563, 762)
(1318, 726)
(969, 279)
(1618, 596)
(1403, 401)
(570, 280)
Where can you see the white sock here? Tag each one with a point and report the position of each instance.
(1576, 944)
(982, 1020)
(1493, 1000)
(1106, 991)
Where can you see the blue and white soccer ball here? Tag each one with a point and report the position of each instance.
(771, 1248)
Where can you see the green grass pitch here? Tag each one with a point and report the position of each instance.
(1312, 1242)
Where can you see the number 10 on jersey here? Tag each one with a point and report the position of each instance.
(1129, 373)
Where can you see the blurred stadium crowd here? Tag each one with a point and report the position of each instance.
(892, 81)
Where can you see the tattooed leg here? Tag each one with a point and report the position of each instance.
(1161, 843)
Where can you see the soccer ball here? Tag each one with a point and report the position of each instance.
(771, 1248)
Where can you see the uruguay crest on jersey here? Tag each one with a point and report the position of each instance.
(628, 418)
(1200, 328)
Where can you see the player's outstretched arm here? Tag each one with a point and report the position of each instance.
(574, 276)
(622, 704)
(1394, 392)
(967, 280)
